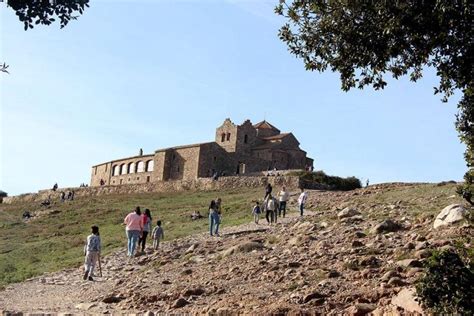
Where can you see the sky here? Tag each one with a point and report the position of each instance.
(152, 74)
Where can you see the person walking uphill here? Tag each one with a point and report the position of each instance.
(146, 218)
(283, 197)
(133, 229)
(302, 200)
(214, 219)
(157, 235)
(268, 190)
(92, 253)
(270, 209)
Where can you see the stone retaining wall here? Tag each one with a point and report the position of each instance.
(200, 184)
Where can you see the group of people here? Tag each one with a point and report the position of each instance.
(69, 196)
(137, 228)
(83, 185)
(138, 225)
(274, 207)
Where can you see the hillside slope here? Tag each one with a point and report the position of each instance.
(318, 264)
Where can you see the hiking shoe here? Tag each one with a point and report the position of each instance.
(85, 275)
(91, 279)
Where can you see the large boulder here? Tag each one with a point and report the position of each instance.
(348, 212)
(406, 300)
(386, 226)
(449, 215)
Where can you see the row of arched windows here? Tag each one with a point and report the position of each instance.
(132, 167)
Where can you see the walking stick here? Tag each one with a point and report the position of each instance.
(100, 267)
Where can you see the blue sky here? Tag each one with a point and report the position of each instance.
(152, 74)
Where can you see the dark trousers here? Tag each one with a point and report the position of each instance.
(282, 208)
(270, 215)
(301, 209)
(142, 240)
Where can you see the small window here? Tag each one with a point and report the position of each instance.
(223, 137)
(138, 178)
(128, 179)
(246, 139)
(215, 158)
(95, 170)
(113, 181)
(174, 157)
(177, 168)
(148, 179)
(228, 136)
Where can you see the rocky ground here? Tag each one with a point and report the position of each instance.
(340, 258)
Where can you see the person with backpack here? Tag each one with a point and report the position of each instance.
(270, 215)
(302, 200)
(92, 252)
(157, 235)
(134, 227)
(146, 219)
(256, 212)
(214, 219)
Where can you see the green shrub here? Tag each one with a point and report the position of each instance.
(447, 285)
(313, 179)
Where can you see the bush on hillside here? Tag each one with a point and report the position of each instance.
(447, 286)
(332, 182)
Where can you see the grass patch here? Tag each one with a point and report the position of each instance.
(56, 241)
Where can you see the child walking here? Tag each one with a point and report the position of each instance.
(157, 235)
(256, 212)
(92, 253)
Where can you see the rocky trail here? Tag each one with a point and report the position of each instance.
(340, 259)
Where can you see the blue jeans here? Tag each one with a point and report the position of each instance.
(301, 209)
(132, 236)
(214, 222)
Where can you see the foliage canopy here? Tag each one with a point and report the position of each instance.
(366, 40)
(45, 11)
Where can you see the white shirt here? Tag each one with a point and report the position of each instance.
(283, 196)
(302, 198)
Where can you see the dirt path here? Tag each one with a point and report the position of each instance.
(66, 292)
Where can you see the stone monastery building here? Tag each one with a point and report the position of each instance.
(237, 149)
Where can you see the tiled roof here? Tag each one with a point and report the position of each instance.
(279, 136)
(265, 125)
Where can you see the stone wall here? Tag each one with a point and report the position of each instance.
(132, 173)
(200, 184)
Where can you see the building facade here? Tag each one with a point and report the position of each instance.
(237, 149)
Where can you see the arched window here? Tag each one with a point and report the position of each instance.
(246, 139)
(223, 137)
(228, 136)
(149, 165)
(131, 167)
(140, 166)
(115, 171)
(123, 169)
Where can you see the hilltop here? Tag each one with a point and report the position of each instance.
(328, 262)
